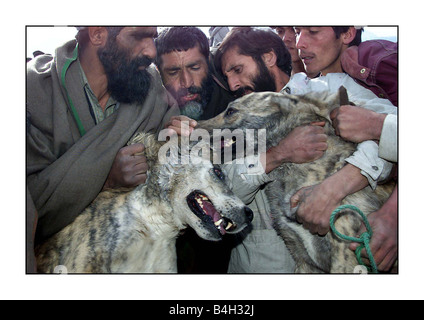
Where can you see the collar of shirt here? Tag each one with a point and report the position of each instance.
(95, 109)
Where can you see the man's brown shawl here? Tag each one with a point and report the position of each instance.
(66, 171)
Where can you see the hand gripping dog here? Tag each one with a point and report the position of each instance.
(280, 114)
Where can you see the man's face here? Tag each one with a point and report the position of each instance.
(319, 49)
(245, 75)
(125, 59)
(138, 41)
(185, 74)
(289, 38)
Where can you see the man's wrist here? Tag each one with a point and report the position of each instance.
(346, 181)
(274, 159)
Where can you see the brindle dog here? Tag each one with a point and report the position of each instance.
(279, 114)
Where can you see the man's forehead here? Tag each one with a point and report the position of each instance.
(232, 57)
(191, 55)
(142, 31)
(231, 53)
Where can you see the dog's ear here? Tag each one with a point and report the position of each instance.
(151, 145)
(326, 101)
(280, 101)
(343, 97)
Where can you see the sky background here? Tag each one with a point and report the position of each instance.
(47, 39)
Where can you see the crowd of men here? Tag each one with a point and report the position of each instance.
(86, 101)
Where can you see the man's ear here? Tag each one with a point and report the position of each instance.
(97, 35)
(269, 58)
(348, 36)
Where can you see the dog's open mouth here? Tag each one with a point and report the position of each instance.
(202, 207)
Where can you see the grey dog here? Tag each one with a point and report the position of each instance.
(279, 114)
(131, 231)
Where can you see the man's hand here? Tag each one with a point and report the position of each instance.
(128, 169)
(316, 203)
(357, 124)
(180, 125)
(383, 243)
(303, 144)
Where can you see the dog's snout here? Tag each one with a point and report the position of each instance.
(249, 213)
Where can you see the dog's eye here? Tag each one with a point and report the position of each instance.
(230, 111)
(217, 171)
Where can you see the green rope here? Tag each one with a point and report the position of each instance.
(364, 238)
(71, 104)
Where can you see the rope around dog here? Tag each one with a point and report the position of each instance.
(364, 238)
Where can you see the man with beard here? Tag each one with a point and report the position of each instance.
(187, 71)
(255, 60)
(183, 59)
(83, 105)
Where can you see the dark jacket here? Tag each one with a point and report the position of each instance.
(374, 65)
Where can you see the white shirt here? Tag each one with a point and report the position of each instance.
(366, 157)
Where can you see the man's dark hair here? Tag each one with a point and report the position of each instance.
(356, 41)
(181, 39)
(114, 31)
(255, 42)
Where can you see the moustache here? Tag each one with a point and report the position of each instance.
(191, 90)
(240, 92)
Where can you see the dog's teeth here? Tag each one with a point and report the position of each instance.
(218, 223)
(200, 198)
(229, 225)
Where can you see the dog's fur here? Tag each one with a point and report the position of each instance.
(131, 231)
(280, 114)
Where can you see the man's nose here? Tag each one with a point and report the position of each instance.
(150, 50)
(300, 41)
(289, 37)
(186, 79)
(233, 83)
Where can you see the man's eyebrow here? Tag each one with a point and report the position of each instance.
(178, 67)
(192, 64)
(231, 67)
(172, 68)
